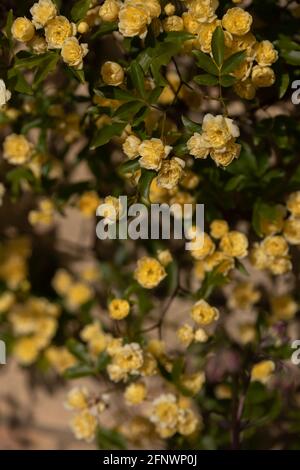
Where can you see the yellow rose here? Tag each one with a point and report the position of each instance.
(84, 426)
(197, 146)
(243, 296)
(73, 53)
(152, 7)
(237, 21)
(42, 12)
(17, 149)
(232, 151)
(60, 358)
(205, 34)
(127, 360)
(62, 282)
(164, 257)
(206, 247)
(22, 29)
(26, 350)
(109, 11)
(83, 27)
(234, 244)
(265, 53)
(57, 31)
(135, 393)
(185, 335)
(246, 43)
(275, 246)
(218, 130)
(201, 336)
(119, 309)
(203, 11)
(88, 203)
(243, 71)
(78, 294)
(280, 265)
(169, 9)
(220, 261)
(262, 76)
(44, 215)
(133, 21)
(173, 23)
(291, 231)
(191, 25)
(193, 382)
(112, 73)
(223, 392)
(203, 314)
(77, 399)
(153, 151)
(218, 228)
(262, 371)
(245, 89)
(293, 204)
(284, 307)
(149, 272)
(259, 257)
(38, 44)
(131, 146)
(7, 299)
(270, 226)
(165, 411)
(170, 173)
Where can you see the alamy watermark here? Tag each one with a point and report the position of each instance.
(295, 358)
(296, 94)
(2, 352)
(156, 222)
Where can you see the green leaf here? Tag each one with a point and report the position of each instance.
(102, 362)
(190, 126)
(227, 80)
(17, 176)
(80, 9)
(206, 80)
(78, 74)
(80, 370)
(211, 281)
(292, 57)
(9, 22)
(78, 350)
(137, 77)
(32, 61)
(234, 61)
(241, 267)
(218, 46)
(18, 82)
(263, 211)
(206, 63)
(145, 181)
(129, 167)
(106, 133)
(283, 84)
(235, 183)
(127, 110)
(105, 28)
(109, 439)
(47, 67)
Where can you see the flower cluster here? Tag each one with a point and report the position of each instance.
(88, 408)
(273, 252)
(58, 33)
(217, 139)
